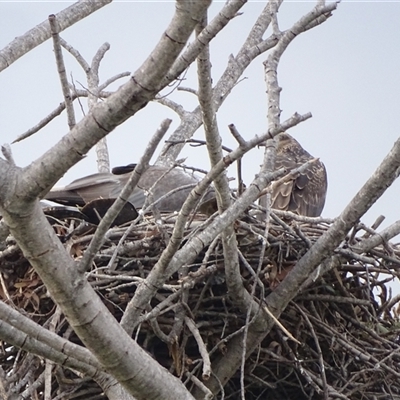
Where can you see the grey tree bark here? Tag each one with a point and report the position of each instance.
(110, 356)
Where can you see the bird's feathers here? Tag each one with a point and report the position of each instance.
(157, 181)
(304, 194)
(83, 190)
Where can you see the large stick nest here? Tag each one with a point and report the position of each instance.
(346, 322)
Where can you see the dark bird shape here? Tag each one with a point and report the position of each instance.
(95, 210)
(161, 180)
(305, 194)
(123, 169)
(91, 212)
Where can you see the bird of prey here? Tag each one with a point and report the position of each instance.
(159, 180)
(304, 194)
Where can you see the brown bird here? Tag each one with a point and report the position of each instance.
(306, 193)
(109, 185)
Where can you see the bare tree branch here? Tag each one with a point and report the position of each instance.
(103, 159)
(148, 272)
(61, 71)
(105, 116)
(82, 307)
(25, 43)
(236, 65)
(262, 320)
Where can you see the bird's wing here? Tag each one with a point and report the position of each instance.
(310, 190)
(85, 189)
(96, 209)
(166, 181)
(92, 180)
(281, 195)
(66, 197)
(304, 194)
(158, 180)
(137, 198)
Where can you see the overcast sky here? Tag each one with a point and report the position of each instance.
(346, 72)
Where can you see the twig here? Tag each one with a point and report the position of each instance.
(319, 352)
(202, 348)
(61, 71)
(208, 394)
(7, 153)
(111, 80)
(276, 321)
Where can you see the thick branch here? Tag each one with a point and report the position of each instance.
(85, 311)
(105, 116)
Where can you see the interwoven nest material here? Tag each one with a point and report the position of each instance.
(346, 322)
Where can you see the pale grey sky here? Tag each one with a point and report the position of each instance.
(346, 72)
